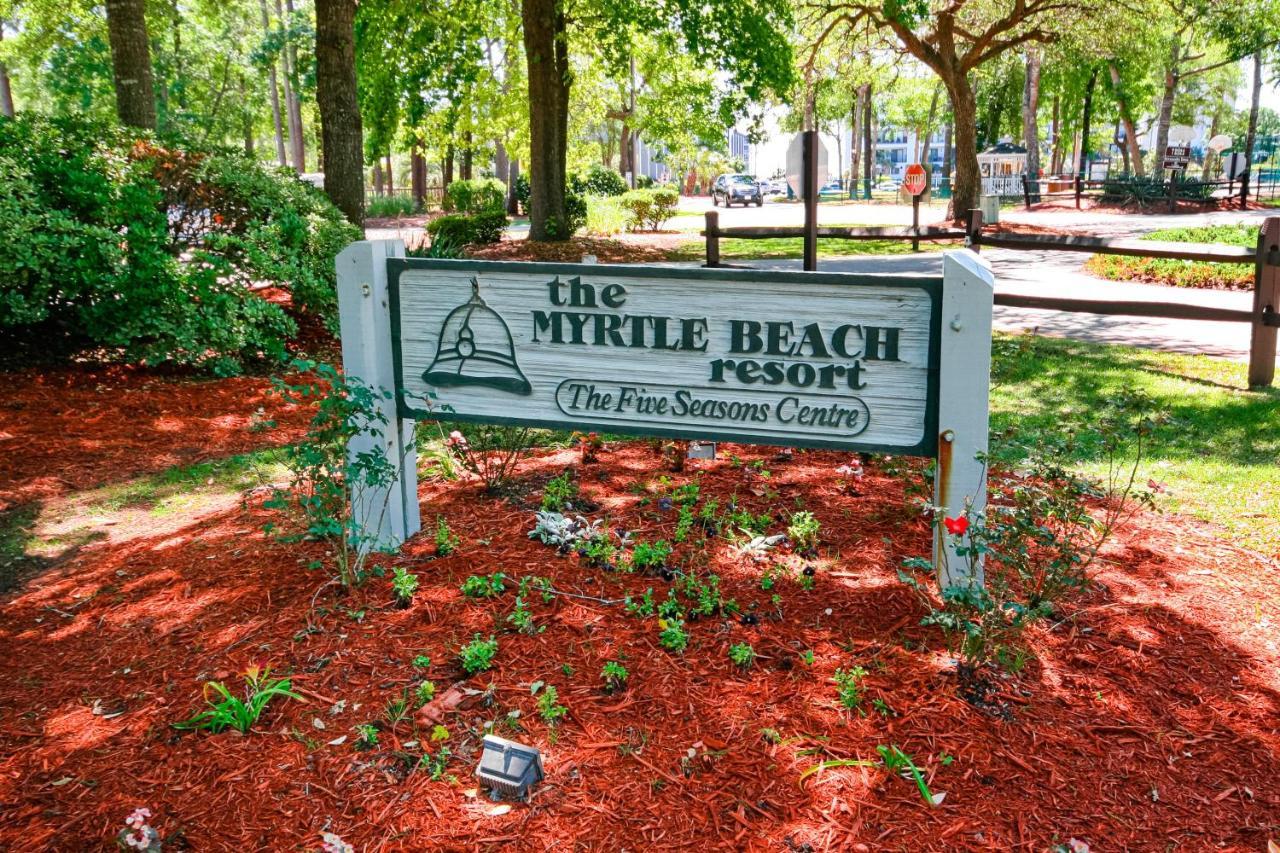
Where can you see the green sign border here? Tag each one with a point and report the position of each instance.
(931, 285)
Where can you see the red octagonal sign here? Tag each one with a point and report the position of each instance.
(914, 180)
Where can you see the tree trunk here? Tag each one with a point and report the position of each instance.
(1084, 125)
(340, 132)
(501, 162)
(1165, 117)
(273, 88)
(855, 142)
(967, 187)
(297, 146)
(868, 144)
(391, 180)
(1030, 127)
(131, 63)
(418, 177)
(546, 52)
(1252, 133)
(377, 177)
(624, 149)
(1055, 166)
(1132, 150)
(1119, 142)
(926, 132)
(946, 156)
(6, 91)
(513, 174)
(467, 155)
(446, 169)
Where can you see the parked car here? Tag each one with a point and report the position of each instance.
(742, 189)
(778, 186)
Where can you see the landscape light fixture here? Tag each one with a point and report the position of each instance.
(508, 768)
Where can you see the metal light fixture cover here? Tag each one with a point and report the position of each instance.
(508, 768)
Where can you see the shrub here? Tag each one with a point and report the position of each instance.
(605, 216)
(481, 195)
(650, 209)
(490, 451)
(477, 655)
(615, 676)
(598, 181)
(459, 229)
(327, 481)
(388, 206)
(575, 213)
(201, 226)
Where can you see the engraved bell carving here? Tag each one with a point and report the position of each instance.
(476, 348)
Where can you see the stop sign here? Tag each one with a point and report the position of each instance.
(914, 181)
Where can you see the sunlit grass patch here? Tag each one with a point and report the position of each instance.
(1216, 455)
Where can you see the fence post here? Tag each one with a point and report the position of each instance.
(1244, 189)
(1079, 190)
(973, 229)
(1026, 192)
(1266, 300)
(713, 238)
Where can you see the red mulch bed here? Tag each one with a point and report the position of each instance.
(1147, 716)
(627, 249)
(78, 427)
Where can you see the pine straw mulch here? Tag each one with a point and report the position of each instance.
(1146, 718)
(77, 427)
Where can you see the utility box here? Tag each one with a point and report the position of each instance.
(990, 205)
(508, 768)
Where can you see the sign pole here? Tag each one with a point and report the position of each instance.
(964, 382)
(915, 222)
(809, 180)
(389, 514)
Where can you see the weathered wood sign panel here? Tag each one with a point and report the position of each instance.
(898, 364)
(759, 357)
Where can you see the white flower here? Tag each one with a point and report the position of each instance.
(138, 817)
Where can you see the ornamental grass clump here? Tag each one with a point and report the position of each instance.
(228, 711)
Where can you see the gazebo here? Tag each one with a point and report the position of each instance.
(1003, 158)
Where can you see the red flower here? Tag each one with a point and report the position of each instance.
(956, 526)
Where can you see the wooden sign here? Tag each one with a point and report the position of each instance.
(887, 363)
(915, 180)
(1176, 158)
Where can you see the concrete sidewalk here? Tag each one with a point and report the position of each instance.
(1047, 273)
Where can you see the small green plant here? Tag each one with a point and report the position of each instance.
(421, 662)
(684, 522)
(477, 586)
(477, 655)
(327, 481)
(521, 618)
(396, 710)
(446, 541)
(706, 596)
(227, 710)
(803, 532)
(435, 763)
(404, 584)
(615, 676)
(366, 736)
(560, 493)
(849, 687)
(882, 707)
(642, 608)
(672, 635)
(650, 556)
(742, 655)
(599, 551)
(549, 707)
(424, 693)
(900, 763)
(807, 657)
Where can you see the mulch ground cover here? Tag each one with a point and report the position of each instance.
(1145, 718)
(72, 428)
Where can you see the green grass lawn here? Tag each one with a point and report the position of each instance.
(1216, 455)
(1183, 273)
(773, 248)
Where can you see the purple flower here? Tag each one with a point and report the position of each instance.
(664, 504)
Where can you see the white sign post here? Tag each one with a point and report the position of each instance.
(896, 364)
